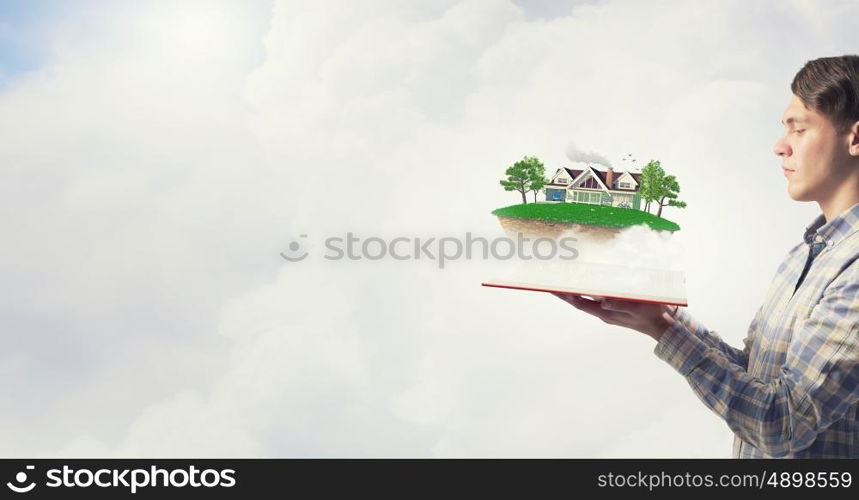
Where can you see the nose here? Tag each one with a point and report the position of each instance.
(782, 148)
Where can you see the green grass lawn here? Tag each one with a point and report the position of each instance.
(581, 213)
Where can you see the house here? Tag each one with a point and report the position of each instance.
(595, 186)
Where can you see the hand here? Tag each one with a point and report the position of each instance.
(649, 319)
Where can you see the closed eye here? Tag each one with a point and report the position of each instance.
(799, 131)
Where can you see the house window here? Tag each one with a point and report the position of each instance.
(555, 194)
(562, 180)
(592, 198)
(590, 183)
(625, 185)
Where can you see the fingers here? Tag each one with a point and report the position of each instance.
(593, 307)
(630, 307)
(566, 297)
(575, 300)
(606, 302)
(617, 305)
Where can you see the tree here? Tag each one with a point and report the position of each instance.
(669, 191)
(658, 187)
(522, 174)
(652, 177)
(538, 180)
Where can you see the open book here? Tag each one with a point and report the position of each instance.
(598, 280)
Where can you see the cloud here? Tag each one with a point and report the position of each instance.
(130, 182)
(152, 182)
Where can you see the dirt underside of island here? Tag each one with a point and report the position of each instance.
(538, 228)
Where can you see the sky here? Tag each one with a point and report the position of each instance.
(158, 157)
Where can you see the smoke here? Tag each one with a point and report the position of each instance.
(577, 155)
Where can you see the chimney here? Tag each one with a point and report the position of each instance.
(609, 178)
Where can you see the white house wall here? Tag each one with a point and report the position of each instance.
(627, 177)
(561, 173)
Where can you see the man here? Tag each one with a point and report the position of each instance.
(793, 391)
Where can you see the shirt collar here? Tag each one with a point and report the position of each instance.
(832, 232)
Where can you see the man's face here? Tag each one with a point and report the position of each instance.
(814, 155)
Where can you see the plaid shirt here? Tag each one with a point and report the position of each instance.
(793, 391)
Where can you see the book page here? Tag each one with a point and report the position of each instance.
(635, 264)
(597, 279)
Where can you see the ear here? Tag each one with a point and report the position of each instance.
(853, 147)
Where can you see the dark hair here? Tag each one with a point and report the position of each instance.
(830, 85)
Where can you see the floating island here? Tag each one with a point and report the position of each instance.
(552, 219)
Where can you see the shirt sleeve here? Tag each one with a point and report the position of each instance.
(712, 338)
(817, 384)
